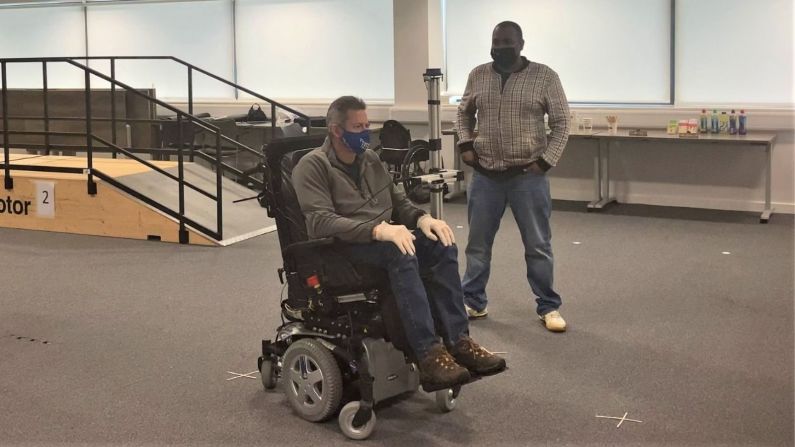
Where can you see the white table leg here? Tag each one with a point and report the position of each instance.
(768, 211)
(605, 179)
(597, 177)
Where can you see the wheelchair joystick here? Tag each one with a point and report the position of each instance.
(316, 300)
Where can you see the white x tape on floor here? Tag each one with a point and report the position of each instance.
(239, 375)
(621, 419)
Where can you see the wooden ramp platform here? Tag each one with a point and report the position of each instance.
(59, 202)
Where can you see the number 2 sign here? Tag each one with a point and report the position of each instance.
(45, 199)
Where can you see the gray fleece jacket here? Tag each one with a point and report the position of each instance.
(334, 206)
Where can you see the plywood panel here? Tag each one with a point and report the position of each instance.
(108, 213)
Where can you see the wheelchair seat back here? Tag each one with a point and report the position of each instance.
(282, 156)
(328, 261)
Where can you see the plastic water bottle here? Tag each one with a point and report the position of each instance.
(723, 122)
(703, 124)
(713, 128)
(733, 123)
(743, 121)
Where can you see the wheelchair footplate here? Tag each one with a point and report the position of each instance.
(456, 387)
(430, 388)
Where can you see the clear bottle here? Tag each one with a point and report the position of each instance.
(743, 123)
(713, 127)
(703, 123)
(733, 123)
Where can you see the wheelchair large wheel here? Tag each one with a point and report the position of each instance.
(311, 380)
(415, 164)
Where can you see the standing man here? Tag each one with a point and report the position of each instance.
(511, 155)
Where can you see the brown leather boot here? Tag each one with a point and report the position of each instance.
(477, 359)
(438, 370)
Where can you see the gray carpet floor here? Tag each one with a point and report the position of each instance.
(120, 342)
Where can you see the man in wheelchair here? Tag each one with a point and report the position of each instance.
(346, 193)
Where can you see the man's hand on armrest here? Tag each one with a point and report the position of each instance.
(397, 234)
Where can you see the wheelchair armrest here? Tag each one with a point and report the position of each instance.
(327, 258)
(299, 249)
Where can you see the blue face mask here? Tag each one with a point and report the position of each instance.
(357, 142)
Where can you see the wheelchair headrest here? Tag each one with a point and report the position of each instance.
(276, 149)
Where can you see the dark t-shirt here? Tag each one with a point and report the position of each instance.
(353, 169)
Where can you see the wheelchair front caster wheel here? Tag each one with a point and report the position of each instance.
(445, 400)
(267, 372)
(347, 414)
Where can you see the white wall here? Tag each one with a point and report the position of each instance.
(65, 22)
(752, 63)
(615, 51)
(165, 29)
(315, 48)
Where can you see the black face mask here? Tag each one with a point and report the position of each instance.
(505, 57)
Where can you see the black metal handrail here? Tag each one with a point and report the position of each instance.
(47, 146)
(82, 118)
(90, 137)
(154, 167)
(113, 145)
(191, 68)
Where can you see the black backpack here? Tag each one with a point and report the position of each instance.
(256, 114)
(395, 135)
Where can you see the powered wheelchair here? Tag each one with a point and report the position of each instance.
(341, 339)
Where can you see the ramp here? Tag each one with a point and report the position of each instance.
(59, 202)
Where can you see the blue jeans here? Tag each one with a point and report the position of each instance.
(531, 204)
(421, 311)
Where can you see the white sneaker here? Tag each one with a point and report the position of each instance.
(476, 314)
(553, 321)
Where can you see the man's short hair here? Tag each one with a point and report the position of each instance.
(509, 24)
(338, 110)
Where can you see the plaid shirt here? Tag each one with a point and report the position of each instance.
(510, 119)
